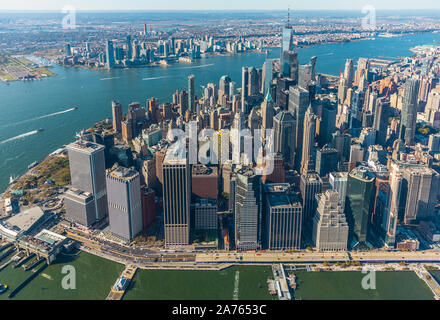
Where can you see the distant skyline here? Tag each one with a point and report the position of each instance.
(80, 5)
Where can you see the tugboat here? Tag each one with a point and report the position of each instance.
(3, 288)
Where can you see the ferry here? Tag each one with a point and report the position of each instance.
(3, 288)
(121, 284)
(33, 164)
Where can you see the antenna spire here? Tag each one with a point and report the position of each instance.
(288, 16)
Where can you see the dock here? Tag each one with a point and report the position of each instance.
(281, 285)
(424, 274)
(120, 287)
(7, 253)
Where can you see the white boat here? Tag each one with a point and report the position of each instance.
(12, 179)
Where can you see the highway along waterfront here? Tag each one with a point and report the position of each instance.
(95, 276)
(27, 107)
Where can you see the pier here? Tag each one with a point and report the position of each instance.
(423, 274)
(7, 253)
(121, 285)
(281, 285)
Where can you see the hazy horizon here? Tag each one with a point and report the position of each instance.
(225, 5)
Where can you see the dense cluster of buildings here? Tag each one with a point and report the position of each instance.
(143, 50)
(352, 165)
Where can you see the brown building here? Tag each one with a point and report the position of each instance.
(279, 174)
(148, 206)
(205, 181)
(152, 109)
(117, 116)
(159, 157)
(127, 130)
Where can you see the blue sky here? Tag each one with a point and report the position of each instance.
(216, 4)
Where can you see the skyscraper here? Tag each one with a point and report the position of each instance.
(289, 67)
(223, 88)
(244, 88)
(338, 182)
(298, 103)
(117, 116)
(248, 213)
(409, 111)
(267, 113)
(326, 161)
(253, 82)
(284, 136)
(423, 189)
(308, 154)
(129, 47)
(313, 64)
(348, 72)
(267, 75)
(110, 55)
(359, 203)
(67, 50)
(330, 229)
(124, 202)
(310, 185)
(287, 38)
(176, 200)
(87, 171)
(191, 94)
(382, 114)
(283, 218)
(327, 123)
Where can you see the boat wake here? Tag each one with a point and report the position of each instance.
(196, 67)
(41, 117)
(111, 78)
(30, 133)
(155, 78)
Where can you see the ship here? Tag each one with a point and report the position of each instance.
(40, 130)
(75, 108)
(3, 288)
(33, 164)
